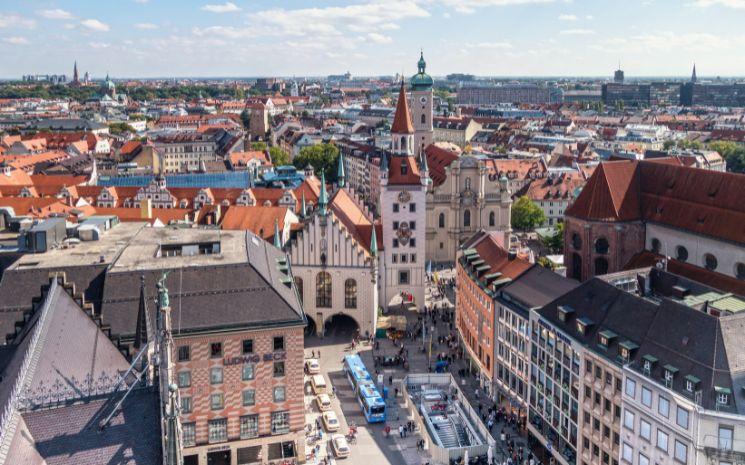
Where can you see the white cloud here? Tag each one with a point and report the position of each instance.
(390, 26)
(146, 26)
(16, 40)
(99, 45)
(490, 45)
(589, 17)
(568, 18)
(95, 25)
(470, 6)
(379, 38)
(668, 41)
(13, 20)
(577, 32)
(55, 14)
(737, 4)
(227, 7)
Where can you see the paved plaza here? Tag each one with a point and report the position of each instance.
(372, 445)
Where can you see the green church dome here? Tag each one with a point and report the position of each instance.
(421, 80)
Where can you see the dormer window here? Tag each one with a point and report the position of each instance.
(625, 349)
(648, 363)
(564, 312)
(723, 394)
(605, 337)
(669, 374)
(692, 383)
(583, 324)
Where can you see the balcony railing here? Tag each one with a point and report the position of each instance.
(724, 448)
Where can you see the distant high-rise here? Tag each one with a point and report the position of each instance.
(618, 75)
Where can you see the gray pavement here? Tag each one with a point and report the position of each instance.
(372, 446)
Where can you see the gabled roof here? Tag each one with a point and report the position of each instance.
(402, 118)
(349, 212)
(611, 194)
(259, 219)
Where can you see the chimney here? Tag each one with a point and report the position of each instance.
(146, 209)
(512, 253)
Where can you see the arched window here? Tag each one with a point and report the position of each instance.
(468, 183)
(403, 143)
(681, 253)
(299, 286)
(740, 270)
(491, 218)
(710, 262)
(350, 293)
(601, 245)
(424, 119)
(467, 219)
(576, 241)
(576, 266)
(601, 266)
(656, 245)
(323, 290)
(441, 221)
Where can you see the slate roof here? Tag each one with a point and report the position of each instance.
(535, 288)
(692, 341)
(246, 293)
(70, 435)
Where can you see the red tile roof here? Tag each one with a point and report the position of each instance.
(259, 219)
(498, 259)
(437, 160)
(402, 118)
(403, 171)
(611, 194)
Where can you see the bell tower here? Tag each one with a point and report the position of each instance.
(422, 106)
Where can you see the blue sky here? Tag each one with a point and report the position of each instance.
(151, 38)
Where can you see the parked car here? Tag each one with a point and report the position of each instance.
(312, 367)
(330, 422)
(323, 401)
(340, 446)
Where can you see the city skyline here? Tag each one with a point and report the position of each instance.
(210, 38)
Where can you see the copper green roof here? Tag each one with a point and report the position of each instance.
(421, 80)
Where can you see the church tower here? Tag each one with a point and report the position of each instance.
(403, 187)
(422, 106)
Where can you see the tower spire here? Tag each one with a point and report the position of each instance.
(277, 240)
(341, 177)
(141, 331)
(323, 197)
(373, 242)
(402, 118)
(693, 74)
(303, 208)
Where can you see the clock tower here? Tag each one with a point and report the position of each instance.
(404, 178)
(422, 106)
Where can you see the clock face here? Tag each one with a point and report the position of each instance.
(423, 99)
(404, 197)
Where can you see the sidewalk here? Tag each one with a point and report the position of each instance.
(419, 363)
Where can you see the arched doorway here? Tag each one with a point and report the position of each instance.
(311, 328)
(340, 326)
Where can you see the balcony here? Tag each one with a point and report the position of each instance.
(721, 449)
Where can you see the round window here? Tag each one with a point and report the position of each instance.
(656, 245)
(681, 253)
(710, 262)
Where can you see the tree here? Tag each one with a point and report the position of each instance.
(526, 215)
(260, 146)
(279, 156)
(546, 263)
(733, 153)
(668, 144)
(246, 119)
(555, 243)
(120, 128)
(322, 157)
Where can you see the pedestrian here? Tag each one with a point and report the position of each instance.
(396, 391)
(401, 431)
(319, 353)
(312, 354)
(390, 380)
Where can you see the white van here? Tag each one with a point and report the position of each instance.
(318, 383)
